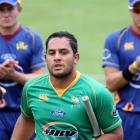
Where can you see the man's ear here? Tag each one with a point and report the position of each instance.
(19, 8)
(77, 57)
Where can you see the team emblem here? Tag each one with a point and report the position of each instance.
(75, 100)
(43, 97)
(129, 46)
(21, 46)
(106, 54)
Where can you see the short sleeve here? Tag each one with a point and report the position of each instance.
(37, 58)
(110, 51)
(106, 113)
(25, 110)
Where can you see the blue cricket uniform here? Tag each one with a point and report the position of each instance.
(26, 47)
(120, 50)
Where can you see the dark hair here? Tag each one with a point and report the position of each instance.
(71, 37)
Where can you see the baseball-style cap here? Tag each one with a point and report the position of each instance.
(11, 2)
(133, 2)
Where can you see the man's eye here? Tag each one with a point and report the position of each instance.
(64, 52)
(51, 52)
(8, 9)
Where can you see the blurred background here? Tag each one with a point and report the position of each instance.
(89, 20)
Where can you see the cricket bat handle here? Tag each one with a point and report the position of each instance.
(92, 117)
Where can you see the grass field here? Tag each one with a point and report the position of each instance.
(89, 20)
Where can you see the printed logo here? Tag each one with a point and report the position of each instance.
(21, 46)
(75, 100)
(106, 54)
(60, 130)
(114, 111)
(58, 113)
(6, 56)
(129, 46)
(128, 107)
(43, 97)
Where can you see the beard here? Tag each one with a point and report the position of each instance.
(61, 75)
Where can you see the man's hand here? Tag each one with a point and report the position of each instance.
(7, 68)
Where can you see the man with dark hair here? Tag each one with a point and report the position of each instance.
(21, 58)
(72, 40)
(121, 63)
(53, 102)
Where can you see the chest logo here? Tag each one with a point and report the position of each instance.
(129, 46)
(75, 100)
(60, 130)
(21, 46)
(43, 97)
(58, 113)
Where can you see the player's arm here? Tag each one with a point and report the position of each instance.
(107, 116)
(116, 79)
(9, 70)
(116, 134)
(12, 74)
(22, 78)
(24, 128)
(25, 124)
(37, 65)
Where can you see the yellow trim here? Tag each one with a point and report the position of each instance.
(135, 65)
(61, 91)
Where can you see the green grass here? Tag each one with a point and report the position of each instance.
(89, 20)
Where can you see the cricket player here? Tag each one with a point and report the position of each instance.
(121, 63)
(21, 58)
(53, 102)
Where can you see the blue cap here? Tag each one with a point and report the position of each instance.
(11, 2)
(133, 2)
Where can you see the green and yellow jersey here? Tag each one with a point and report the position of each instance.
(59, 114)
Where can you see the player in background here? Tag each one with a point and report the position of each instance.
(21, 58)
(121, 63)
(53, 102)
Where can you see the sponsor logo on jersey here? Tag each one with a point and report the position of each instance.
(129, 46)
(6, 56)
(60, 129)
(58, 113)
(106, 54)
(135, 83)
(43, 97)
(114, 111)
(128, 107)
(21, 46)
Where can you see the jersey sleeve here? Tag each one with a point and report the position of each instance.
(110, 51)
(25, 109)
(106, 113)
(37, 58)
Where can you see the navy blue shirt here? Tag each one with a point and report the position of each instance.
(120, 50)
(26, 47)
